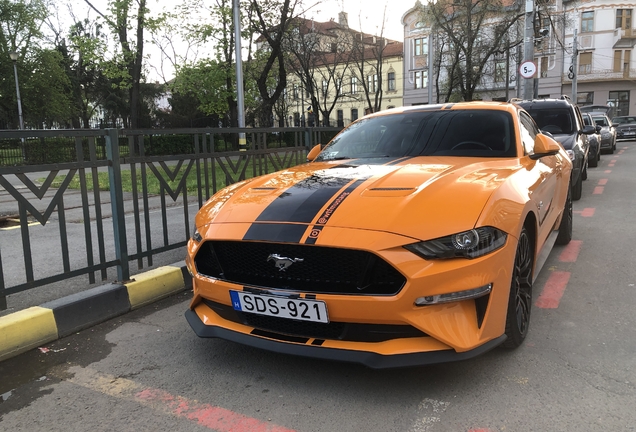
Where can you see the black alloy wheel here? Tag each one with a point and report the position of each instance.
(520, 300)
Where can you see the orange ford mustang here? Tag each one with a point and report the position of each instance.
(413, 237)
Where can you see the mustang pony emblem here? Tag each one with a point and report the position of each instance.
(283, 262)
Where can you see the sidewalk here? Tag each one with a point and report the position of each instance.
(32, 327)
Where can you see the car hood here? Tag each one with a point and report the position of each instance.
(419, 197)
(626, 126)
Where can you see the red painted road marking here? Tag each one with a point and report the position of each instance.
(209, 416)
(212, 417)
(608, 171)
(610, 165)
(588, 212)
(553, 290)
(571, 251)
(602, 182)
(598, 190)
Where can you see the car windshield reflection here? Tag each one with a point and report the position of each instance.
(476, 133)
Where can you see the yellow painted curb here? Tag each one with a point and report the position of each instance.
(153, 285)
(26, 329)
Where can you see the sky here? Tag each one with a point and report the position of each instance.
(367, 12)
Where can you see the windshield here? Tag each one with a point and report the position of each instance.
(480, 133)
(601, 121)
(555, 121)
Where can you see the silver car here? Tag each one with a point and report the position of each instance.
(608, 131)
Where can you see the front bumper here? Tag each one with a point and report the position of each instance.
(368, 358)
(444, 332)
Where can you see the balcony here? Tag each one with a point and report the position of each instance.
(599, 75)
(624, 37)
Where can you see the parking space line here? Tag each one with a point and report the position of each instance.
(586, 212)
(602, 182)
(553, 290)
(598, 190)
(571, 251)
(211, 417)
(608, 171)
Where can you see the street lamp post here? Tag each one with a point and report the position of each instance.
(14, 57)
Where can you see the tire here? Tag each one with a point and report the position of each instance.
(520, 298)
(594, 161)
(584, 173)
(614, 146)
(565, 228)
(577, 189)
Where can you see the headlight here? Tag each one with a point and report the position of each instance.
(196, 236)
(467, 244)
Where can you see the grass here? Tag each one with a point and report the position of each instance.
(193, 183)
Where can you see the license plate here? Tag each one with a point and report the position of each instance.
(282, 307)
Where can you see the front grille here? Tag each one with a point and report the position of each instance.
(317, 269)
(334, 330)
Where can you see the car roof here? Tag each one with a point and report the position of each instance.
(544, 103)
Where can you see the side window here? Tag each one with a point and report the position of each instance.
(528, 132)
(579, 126)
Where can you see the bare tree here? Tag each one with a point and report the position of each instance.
(472, 32)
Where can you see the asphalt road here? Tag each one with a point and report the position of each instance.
(575, 372)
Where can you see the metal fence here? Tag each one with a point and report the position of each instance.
(78, 179)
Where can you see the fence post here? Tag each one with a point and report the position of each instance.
(117, 204)
(308, 142)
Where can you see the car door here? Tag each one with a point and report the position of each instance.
(543, 191)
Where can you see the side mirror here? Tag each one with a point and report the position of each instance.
(314, 152)
(588, 130)
(545, 146)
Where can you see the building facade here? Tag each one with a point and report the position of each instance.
(346, 74)
(582, 49)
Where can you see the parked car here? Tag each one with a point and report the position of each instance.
(608, 131)
(594, 140)
(412, 237)
(563, 120)
(625, 127)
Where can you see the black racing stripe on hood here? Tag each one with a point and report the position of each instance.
(287, 233)
(335, 203)
(301, 202)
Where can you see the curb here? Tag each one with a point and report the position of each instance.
(32, 327)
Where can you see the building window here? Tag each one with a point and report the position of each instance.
(295, 91)
(622, 60)
(339, 89)
(587, 22)
(624, 19)
(354, 85)
(500, 71)
(421, 79)
(354, 114)
(585, 63)
(391, 81)
(544, 67)
(340, 118)
(584, 98)
(372, 83)
(420, 46)
(619, 101)
(325, 89)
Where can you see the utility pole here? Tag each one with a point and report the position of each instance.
(575, 55)
(239, 74)
(528, 48)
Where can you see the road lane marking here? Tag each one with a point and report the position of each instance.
(598, 190)
(553, 290)
(602, 182)
(586, 212)
(209, 416)
(608, 171)
(571, 251)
